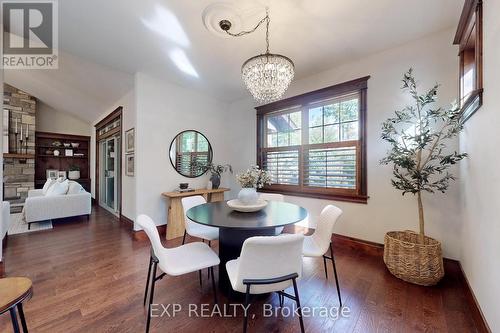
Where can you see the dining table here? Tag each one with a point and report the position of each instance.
(235, 227)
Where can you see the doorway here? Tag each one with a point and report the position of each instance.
(110, 167)
(109, 162)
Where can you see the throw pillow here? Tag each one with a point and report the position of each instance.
(47, 185)
(74, 188)
(59, 188)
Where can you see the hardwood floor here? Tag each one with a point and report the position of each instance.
(89, 276)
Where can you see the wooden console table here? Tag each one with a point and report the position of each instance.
(175, 222)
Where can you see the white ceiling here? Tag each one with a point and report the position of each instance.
(127, 36)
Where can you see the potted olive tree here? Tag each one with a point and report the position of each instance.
(418, 135)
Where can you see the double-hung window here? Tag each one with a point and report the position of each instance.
(314, 144)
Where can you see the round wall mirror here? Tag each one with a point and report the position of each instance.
(189, 152)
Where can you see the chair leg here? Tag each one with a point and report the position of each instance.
(184, 238)
(13, 317)
(280, 299)
(324, 264)
(151, 295)
(211, 270)
(21, 315)
(147, 280)
(29, 226)
(210, 243)
(247, 301)
(299, 309)
(335, 273)
(199, 273)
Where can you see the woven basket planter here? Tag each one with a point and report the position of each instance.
(411, 261)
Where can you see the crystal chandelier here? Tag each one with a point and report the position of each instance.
(267, 76)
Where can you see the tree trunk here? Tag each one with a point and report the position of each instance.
(421, 217)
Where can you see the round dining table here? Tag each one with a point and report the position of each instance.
(235, 227)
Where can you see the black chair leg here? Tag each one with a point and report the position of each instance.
(324, 264)
(247, 301)
(21, 315)
(184, 238)
(29, 226)
(299, 309)
(211, 270)
(13, 317)
(199, 273)
(335, 273)
(281, 299)
(153, 281)
(147, 280)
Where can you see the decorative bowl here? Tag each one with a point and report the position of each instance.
(67, 145)
(237, 205)
(75, 144)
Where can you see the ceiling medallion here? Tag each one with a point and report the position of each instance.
(267, 76)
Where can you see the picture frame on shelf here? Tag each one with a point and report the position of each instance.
(130, 140)
(129, 165)
(61, 174)
(68, 152)
(52, 173)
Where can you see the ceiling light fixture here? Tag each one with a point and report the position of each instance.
(267, 76)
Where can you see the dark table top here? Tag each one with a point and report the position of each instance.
(275, 214)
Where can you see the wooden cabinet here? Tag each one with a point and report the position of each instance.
(175, 222)
(71, 156)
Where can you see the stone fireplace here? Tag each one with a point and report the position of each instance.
(19, 160)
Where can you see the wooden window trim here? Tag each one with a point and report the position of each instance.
(471, 20)
(359, 195)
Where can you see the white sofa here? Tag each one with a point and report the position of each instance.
(4, 225)
(39, 207)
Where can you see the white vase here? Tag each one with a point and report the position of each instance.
(74, 174)
(248, 196)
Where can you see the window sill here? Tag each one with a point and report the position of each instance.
(362, 199)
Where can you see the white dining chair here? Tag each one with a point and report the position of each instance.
(176, 261)
(195, 229)
(273, 197)
(268, 264)
(317, 244)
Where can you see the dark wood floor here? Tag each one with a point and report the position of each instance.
(89, 276)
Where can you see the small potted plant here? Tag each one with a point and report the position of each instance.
(250, 181)
(74, 172)
(216, 171)
(418, 135)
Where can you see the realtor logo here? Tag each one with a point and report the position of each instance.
(29, 34)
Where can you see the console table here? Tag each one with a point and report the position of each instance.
(175, 222)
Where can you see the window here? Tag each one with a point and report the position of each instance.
(313, 144)
(191, 147)
(469, 39)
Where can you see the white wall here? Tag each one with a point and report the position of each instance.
(49, 119)
(434, 60)
(128, 183)
(481, 180)
(164, 110)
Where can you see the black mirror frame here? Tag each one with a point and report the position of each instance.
(210, 156)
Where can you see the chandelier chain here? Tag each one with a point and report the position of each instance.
(266, 19)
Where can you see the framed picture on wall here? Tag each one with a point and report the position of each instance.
(130, 140)
(51, 173)
(129, 165)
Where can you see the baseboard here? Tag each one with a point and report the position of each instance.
(476, 312)
(125, 219)
(454, 267)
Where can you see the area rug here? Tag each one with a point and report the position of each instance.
(18, 226)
